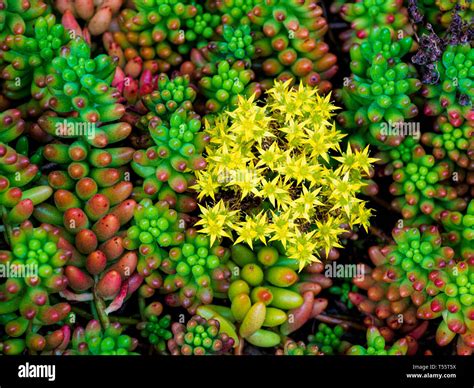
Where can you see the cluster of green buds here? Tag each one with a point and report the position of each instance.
(224, 88)
(79, 83)
(460, 230)
(289, 42)
(177, 152)
(406, 265)
(421, 187)
(195, 271)
(454, 142)
(397, 157)
(237, 44)
(157, 331)
(328, 339)
(171, 94)
(26, 59)
(155, 226)
(95, 341)
(159, 28)
(342, 292)
(199, 337)
(451, 99)
(18, 17)
(33, 271)
(376, 346)
(201, 28)
(452, 297)
(292, 348)
(235, 12)
(378, 94)
(367, 15)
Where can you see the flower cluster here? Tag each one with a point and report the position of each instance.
(278, 163)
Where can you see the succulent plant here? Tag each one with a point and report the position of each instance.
(97, 14)
(27, 58)
(201, 28)
(342, 292)
(292, 348)
(17, 172)
(440, 12)
(452, 297)
(171, 95)
(367, 15)
(199, 337)
(289, 42)
(78, 82)
(383, 303)
(235, 12)
(177, 153)
(261, 296)
(35, 270)
(18, 18)
(159, 28)
(237, 44)
(459, 228)
(157, 331)
(421, 187)
(378, 95)
(181, 264)
(224, 88)
(376, 346)
(450, 97)
(194, 271)
(155, 225)
(328, 339)
(408, 263)
(93, 340)
(268, 296)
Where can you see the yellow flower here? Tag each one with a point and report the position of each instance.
(282, 227)
(358, 160)
(216, 220)
(302, 247)
(270, 190)
(327, 232)
(270, 157)
(307, 201)
(206, 184)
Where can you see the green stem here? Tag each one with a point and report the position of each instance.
(339, 321)
(123, 320)
(7, 228)
(94, 311)
(100, 308)
(141, 307)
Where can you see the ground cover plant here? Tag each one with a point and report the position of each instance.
(228, 177)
